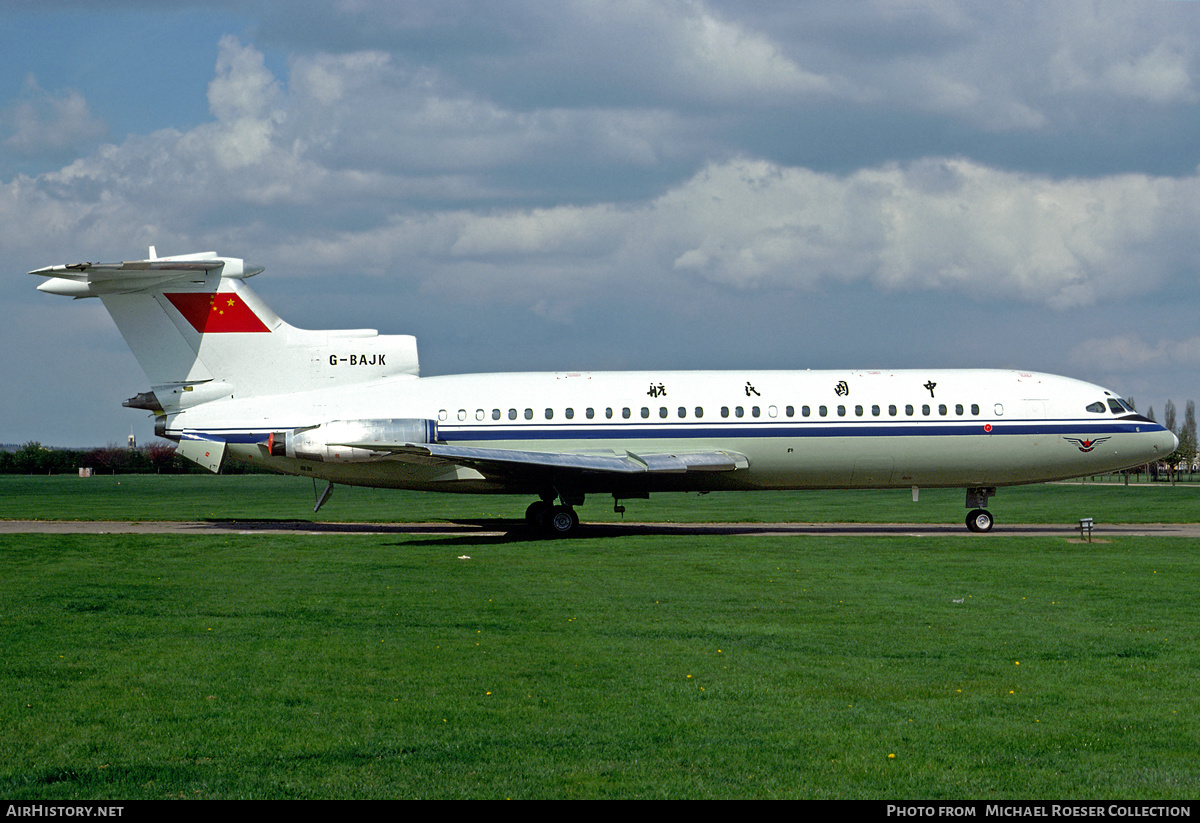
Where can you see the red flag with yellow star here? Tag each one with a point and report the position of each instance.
(216, 313)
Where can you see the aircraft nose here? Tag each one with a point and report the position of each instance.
(1165, 443)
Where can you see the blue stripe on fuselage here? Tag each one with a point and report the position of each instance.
(741, 429)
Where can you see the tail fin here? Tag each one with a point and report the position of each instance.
(201, 334)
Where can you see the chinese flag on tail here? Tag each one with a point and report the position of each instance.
(216, 313)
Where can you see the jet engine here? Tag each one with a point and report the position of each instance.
(351, 441)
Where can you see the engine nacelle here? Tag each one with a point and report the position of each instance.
(329, 442)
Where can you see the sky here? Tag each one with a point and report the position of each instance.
(614, 184)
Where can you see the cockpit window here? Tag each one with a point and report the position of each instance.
(1096, 408)
(1115, 406)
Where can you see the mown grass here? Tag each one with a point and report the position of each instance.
(622, 667)
(199, 497)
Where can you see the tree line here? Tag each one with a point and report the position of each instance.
(157, 458)
(1184, 457)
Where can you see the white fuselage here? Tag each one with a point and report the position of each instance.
(796, 429)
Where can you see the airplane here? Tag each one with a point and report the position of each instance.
(230, 380)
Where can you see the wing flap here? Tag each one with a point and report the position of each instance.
(208, 452)
(627, 463)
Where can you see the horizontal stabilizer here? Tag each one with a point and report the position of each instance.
(95, 279)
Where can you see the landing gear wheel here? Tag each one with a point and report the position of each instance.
(979, 520)
(537, 516)
(563, 521)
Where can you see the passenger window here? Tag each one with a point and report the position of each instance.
(682, 412)
(480, 414)
(821, 410)
(549, 414)
(1096, 408)
(858, 411)
(724, 411)
(790, 411)
(892, 410)
(442, 415)
(999, 409)
(738, 411)
(662, 411)
(625, 412)
(925, 410)
(874, 411)
(942, 410)
(974, 408)
(462, 415)
(512, 414)
(590, 413)
(608, 414)
(495, 414)
(754, 412)
(699, 411)
(841, 411)
(958, 409)
(908, 410)
(529, 414)
(645, 412)
(570, 413)
(804, 411)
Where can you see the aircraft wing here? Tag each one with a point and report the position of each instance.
(509, 462)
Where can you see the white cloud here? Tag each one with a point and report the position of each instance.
(933, 225)
(1130, 353)
(1022, 67)
(1101, 53)
(937, 225)
(46, 124)
(1026, 67)
(1161, 76)
(724, 59)
(1157, 72)
(244, 97)
(243, 87)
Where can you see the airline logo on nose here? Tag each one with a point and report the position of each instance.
(216, 313)
(1086, 445)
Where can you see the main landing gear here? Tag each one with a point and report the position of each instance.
(558, 521)
(980, 519)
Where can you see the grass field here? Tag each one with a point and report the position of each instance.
(199, 497)
(658, 666)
